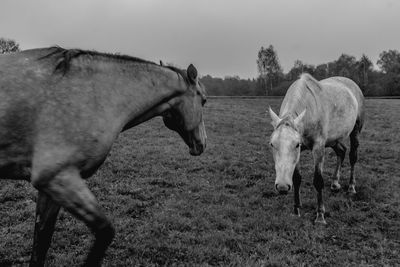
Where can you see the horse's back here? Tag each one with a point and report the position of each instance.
(343, 105)
(350, 86)
(47, 117)
(23, 85)
(19, 106)
(355, 89)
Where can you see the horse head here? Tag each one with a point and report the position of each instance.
(285, 144)
(185, 115)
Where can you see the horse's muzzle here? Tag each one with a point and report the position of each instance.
(197, 149)
(197, 140)
(282, 188)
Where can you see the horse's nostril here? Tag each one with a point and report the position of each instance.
(289, 187)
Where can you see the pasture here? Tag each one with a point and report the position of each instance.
(220, 209)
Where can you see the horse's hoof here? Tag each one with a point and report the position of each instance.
(320, 219)
(335, 187)
(320, 222)
(351, 190)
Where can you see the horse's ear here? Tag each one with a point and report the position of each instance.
(274, 118)
(192, 74)
(300, 117)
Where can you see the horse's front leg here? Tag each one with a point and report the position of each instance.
(70, 191)
(296, 187)
(318, 154)
(46, 217)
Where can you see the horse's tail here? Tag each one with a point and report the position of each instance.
(361, 106)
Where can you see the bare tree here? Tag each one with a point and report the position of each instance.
(364, 66)
(268, 66)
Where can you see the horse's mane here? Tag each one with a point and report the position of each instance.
(310, 83)
(183, 73)
(65, 56)
(305, 85)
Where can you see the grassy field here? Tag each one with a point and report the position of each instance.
(220, 209)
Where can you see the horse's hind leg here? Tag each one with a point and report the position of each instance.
(340, 151)
(46, 216)
(69, 190)
(354, 143)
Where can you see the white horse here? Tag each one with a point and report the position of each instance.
(315, 115)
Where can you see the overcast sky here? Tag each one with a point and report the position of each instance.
(221, 37)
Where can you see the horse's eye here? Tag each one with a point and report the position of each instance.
(298, 145)
(271, 144)
(203, 98)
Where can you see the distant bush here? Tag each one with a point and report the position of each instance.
(231, 86)
(280, 89)
(8, 46)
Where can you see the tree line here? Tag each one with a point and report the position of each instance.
(272, 81)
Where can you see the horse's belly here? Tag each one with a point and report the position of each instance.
(340, 128)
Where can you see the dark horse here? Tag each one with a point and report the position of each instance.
(60, 112)
(314, 115)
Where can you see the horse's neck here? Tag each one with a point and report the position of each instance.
(140, 92)
(296, 101)
(291, 108)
